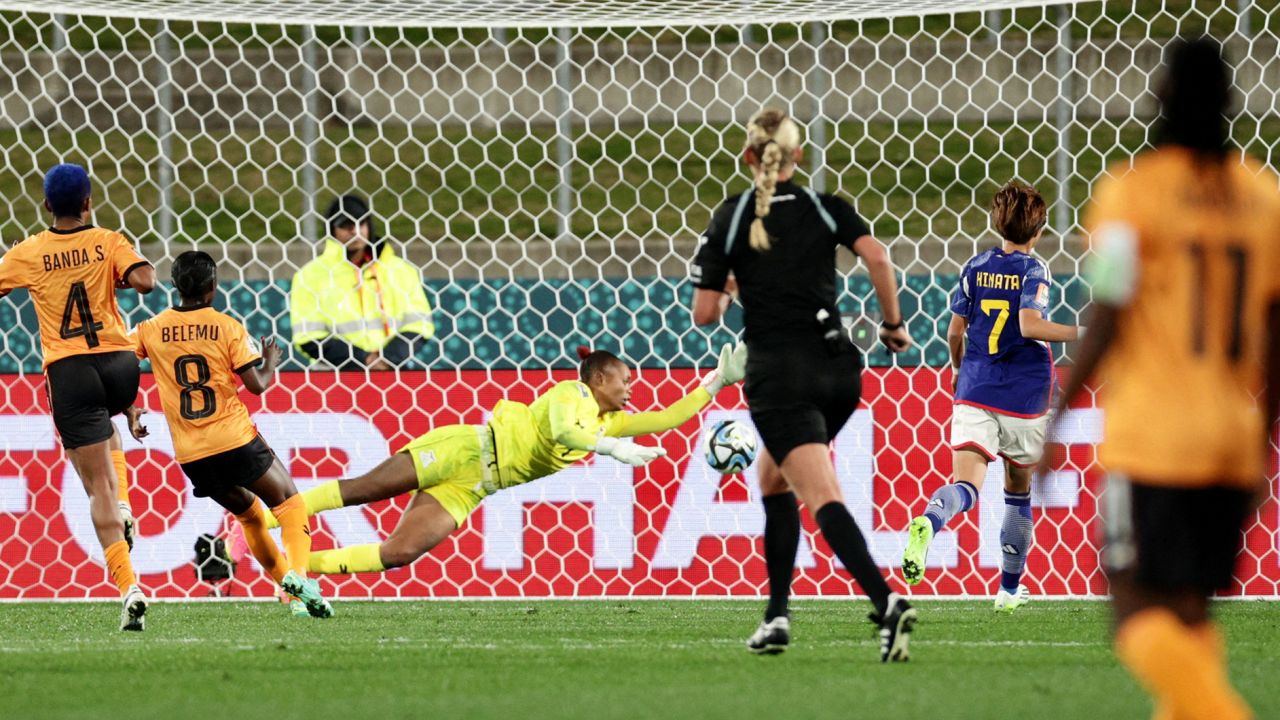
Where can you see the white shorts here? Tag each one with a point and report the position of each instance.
(1018, 440)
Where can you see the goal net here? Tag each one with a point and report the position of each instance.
(548, 167)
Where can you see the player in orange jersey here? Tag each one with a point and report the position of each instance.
(72, 271)
(1186, 288)
(196, 353)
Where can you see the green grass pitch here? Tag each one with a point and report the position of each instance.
(584, 659)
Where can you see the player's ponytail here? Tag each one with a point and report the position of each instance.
(1018, 212)
(594, 362)
(194, 274)
(773, 138)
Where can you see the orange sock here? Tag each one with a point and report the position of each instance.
(1176, 666)
(295, 531)
(1210, 637)
(122, 472)
(119, 565)
(264, 549)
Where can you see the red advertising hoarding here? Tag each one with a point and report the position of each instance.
(672, 528)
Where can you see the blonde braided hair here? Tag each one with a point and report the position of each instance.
(773, 137)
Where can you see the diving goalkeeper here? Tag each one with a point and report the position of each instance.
(452, 468)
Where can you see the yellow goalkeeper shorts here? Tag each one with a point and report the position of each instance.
(449, 467)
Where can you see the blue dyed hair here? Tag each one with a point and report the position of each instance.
(65, 188)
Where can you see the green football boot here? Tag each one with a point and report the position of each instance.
(298, 609)
(920, 534)
(308, 593)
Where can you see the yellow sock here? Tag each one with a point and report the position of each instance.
(354, 559)
(1184, 676)
(325, 496)
(295, 532)
(120, 566)
(122, 472)
(260, 543)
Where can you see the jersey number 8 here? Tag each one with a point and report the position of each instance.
(190, 388)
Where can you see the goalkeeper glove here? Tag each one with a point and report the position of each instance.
(628, 452)
(731, 368)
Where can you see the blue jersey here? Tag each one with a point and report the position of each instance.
(1002, 370)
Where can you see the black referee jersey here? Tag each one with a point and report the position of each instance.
(782, 289)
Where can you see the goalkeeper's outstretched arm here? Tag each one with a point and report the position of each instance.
(730, 369)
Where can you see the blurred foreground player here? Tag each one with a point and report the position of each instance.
(1186, 285)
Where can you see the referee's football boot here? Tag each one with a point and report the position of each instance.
(130, 524)
(895, 629)
(919, 535)
(772, 637)
(133, 611)
(308, 591)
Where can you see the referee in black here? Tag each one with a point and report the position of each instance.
(779, 240)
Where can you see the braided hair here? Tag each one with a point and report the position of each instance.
(773, 137)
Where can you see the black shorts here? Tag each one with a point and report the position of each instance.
(232, 468)
(86, 390)
(803, 395)
(1174, 538)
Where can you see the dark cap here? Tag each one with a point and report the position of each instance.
(350, 209)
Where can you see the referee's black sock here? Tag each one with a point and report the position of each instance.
(845, 539)
(781, 539)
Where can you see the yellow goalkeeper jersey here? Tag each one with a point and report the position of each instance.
(537, 440)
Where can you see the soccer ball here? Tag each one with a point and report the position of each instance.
(731, 447)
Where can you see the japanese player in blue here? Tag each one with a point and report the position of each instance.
(1003, 377)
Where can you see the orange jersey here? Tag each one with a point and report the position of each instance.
(1182, 380)
(72, 276)
(196, 355)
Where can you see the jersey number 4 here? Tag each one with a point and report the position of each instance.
(78, 304)
(208, 402)
(993, 340)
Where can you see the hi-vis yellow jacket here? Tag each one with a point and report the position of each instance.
(365, 306)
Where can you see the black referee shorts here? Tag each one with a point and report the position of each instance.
(86, 390)
(803, 395)
(238, 467)
(1174, 538)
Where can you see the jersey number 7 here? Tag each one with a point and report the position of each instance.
(993, 340)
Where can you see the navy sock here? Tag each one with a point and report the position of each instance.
(842, 534)
(948, 501)
(781, 539)
(1016, 535)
